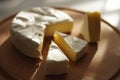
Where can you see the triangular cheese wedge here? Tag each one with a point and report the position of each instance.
(56, 62)
(90, 28)
(73, 47)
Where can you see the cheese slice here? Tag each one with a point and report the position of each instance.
(30, 26)
(56, 62)
(72, 46)
(91, 27)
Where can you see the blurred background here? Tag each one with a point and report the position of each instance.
(110, 9)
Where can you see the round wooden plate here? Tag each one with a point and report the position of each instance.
(97, 64)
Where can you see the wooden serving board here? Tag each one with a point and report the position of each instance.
(101, 62)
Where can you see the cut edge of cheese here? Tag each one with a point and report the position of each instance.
(90, 28)
(68, 49)
(64, 27)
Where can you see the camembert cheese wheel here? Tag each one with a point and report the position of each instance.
(30, 26)
(72, 46)
(56, 62)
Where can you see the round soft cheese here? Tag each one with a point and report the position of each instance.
(30, 26)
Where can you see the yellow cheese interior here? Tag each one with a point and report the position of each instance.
(91, 27)
(64, 26)
(64, 46)
(94, 26)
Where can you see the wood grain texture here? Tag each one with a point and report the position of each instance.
(100, 62)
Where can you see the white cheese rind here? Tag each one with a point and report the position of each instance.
(56, 62)
(27, 46)
(28, 28)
